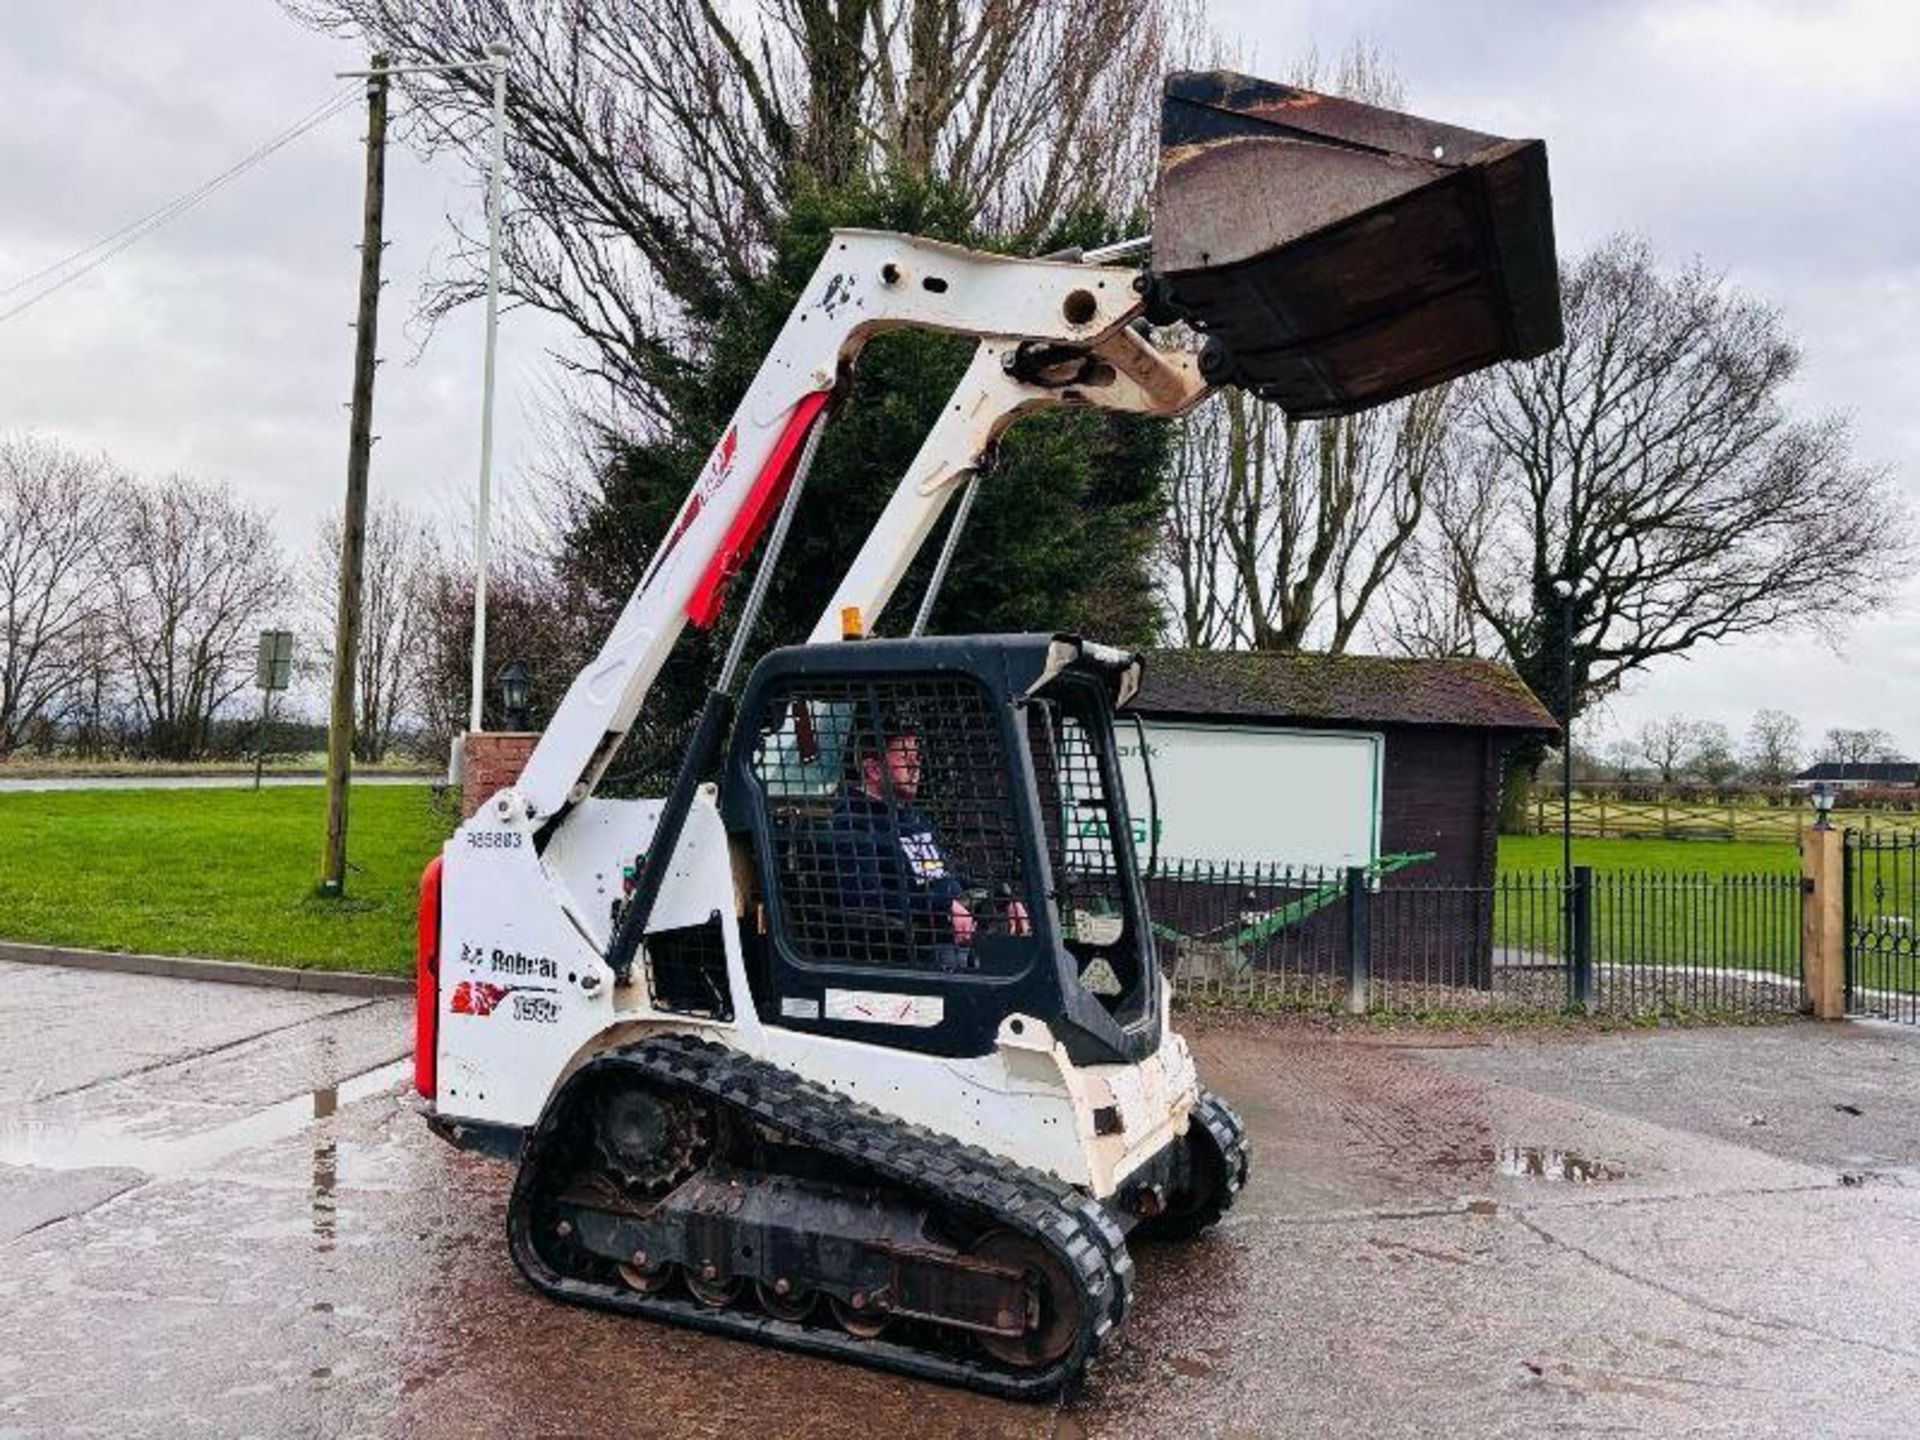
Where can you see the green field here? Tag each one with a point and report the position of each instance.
(216, 872)
(1692, 904)
(1672, 857)
(230, 874)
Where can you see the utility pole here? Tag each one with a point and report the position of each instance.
(353, 530)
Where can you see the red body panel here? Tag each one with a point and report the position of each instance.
(426, 993)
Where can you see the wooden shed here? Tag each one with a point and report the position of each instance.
(1444, 727)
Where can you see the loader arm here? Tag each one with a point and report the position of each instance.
(1126, 374)
(869, 282)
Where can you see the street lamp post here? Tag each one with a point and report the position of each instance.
(497, 57)
(1563, 588)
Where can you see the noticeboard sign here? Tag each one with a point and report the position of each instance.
(273, 670)
(1241, 795)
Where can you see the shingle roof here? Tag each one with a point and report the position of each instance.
(1368, 689)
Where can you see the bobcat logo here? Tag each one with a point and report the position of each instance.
(477, 997)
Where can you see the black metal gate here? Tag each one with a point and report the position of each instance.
(1883, 926)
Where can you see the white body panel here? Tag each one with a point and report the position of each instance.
(558, 1005)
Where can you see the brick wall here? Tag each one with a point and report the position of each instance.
(493, 760)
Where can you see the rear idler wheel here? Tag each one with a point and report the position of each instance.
(791, 1303)
(1053, 1311)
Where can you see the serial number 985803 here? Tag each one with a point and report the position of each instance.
(494, 839)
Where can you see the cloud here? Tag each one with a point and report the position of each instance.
(221, 344)
(1768, 138)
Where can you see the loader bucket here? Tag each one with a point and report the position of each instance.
(1338, 255)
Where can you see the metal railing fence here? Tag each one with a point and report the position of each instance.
(1635, 942)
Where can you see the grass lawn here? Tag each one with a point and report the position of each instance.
(1671, 857)
(221, 873)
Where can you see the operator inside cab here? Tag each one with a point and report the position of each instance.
(895, 875)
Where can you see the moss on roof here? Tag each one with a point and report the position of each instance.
(1370, 689)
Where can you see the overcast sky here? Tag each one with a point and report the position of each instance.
(1773, 139)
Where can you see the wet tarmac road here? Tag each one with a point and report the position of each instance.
(216, 1216)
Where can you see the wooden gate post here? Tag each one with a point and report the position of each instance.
(1823, 931)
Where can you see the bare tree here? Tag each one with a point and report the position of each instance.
(194, 572)
(656, 144)
(1858, 747)
(1622, 757)
(53, 503)
(1773, 747)
(1710, 756)
(535, 615)
(1665, 744)
(1652, 461)
(1318, 515)
(397, 563)
(97, 714)
(1280, 534)
(1200, 590)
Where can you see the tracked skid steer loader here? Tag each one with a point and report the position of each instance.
(855, 1042)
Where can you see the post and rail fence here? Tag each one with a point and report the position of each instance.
(1754, 815)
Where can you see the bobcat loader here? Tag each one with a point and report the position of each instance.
(855, 1042)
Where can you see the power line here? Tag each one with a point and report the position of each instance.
(130, 234)
(154, 219)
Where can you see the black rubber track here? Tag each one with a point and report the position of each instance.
(941, 1172)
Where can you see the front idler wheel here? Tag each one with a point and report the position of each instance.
(1053, 1311)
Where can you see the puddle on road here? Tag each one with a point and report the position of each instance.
(48, 1146)
(1540, 1162)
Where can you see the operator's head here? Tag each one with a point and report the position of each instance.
(889, 762)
